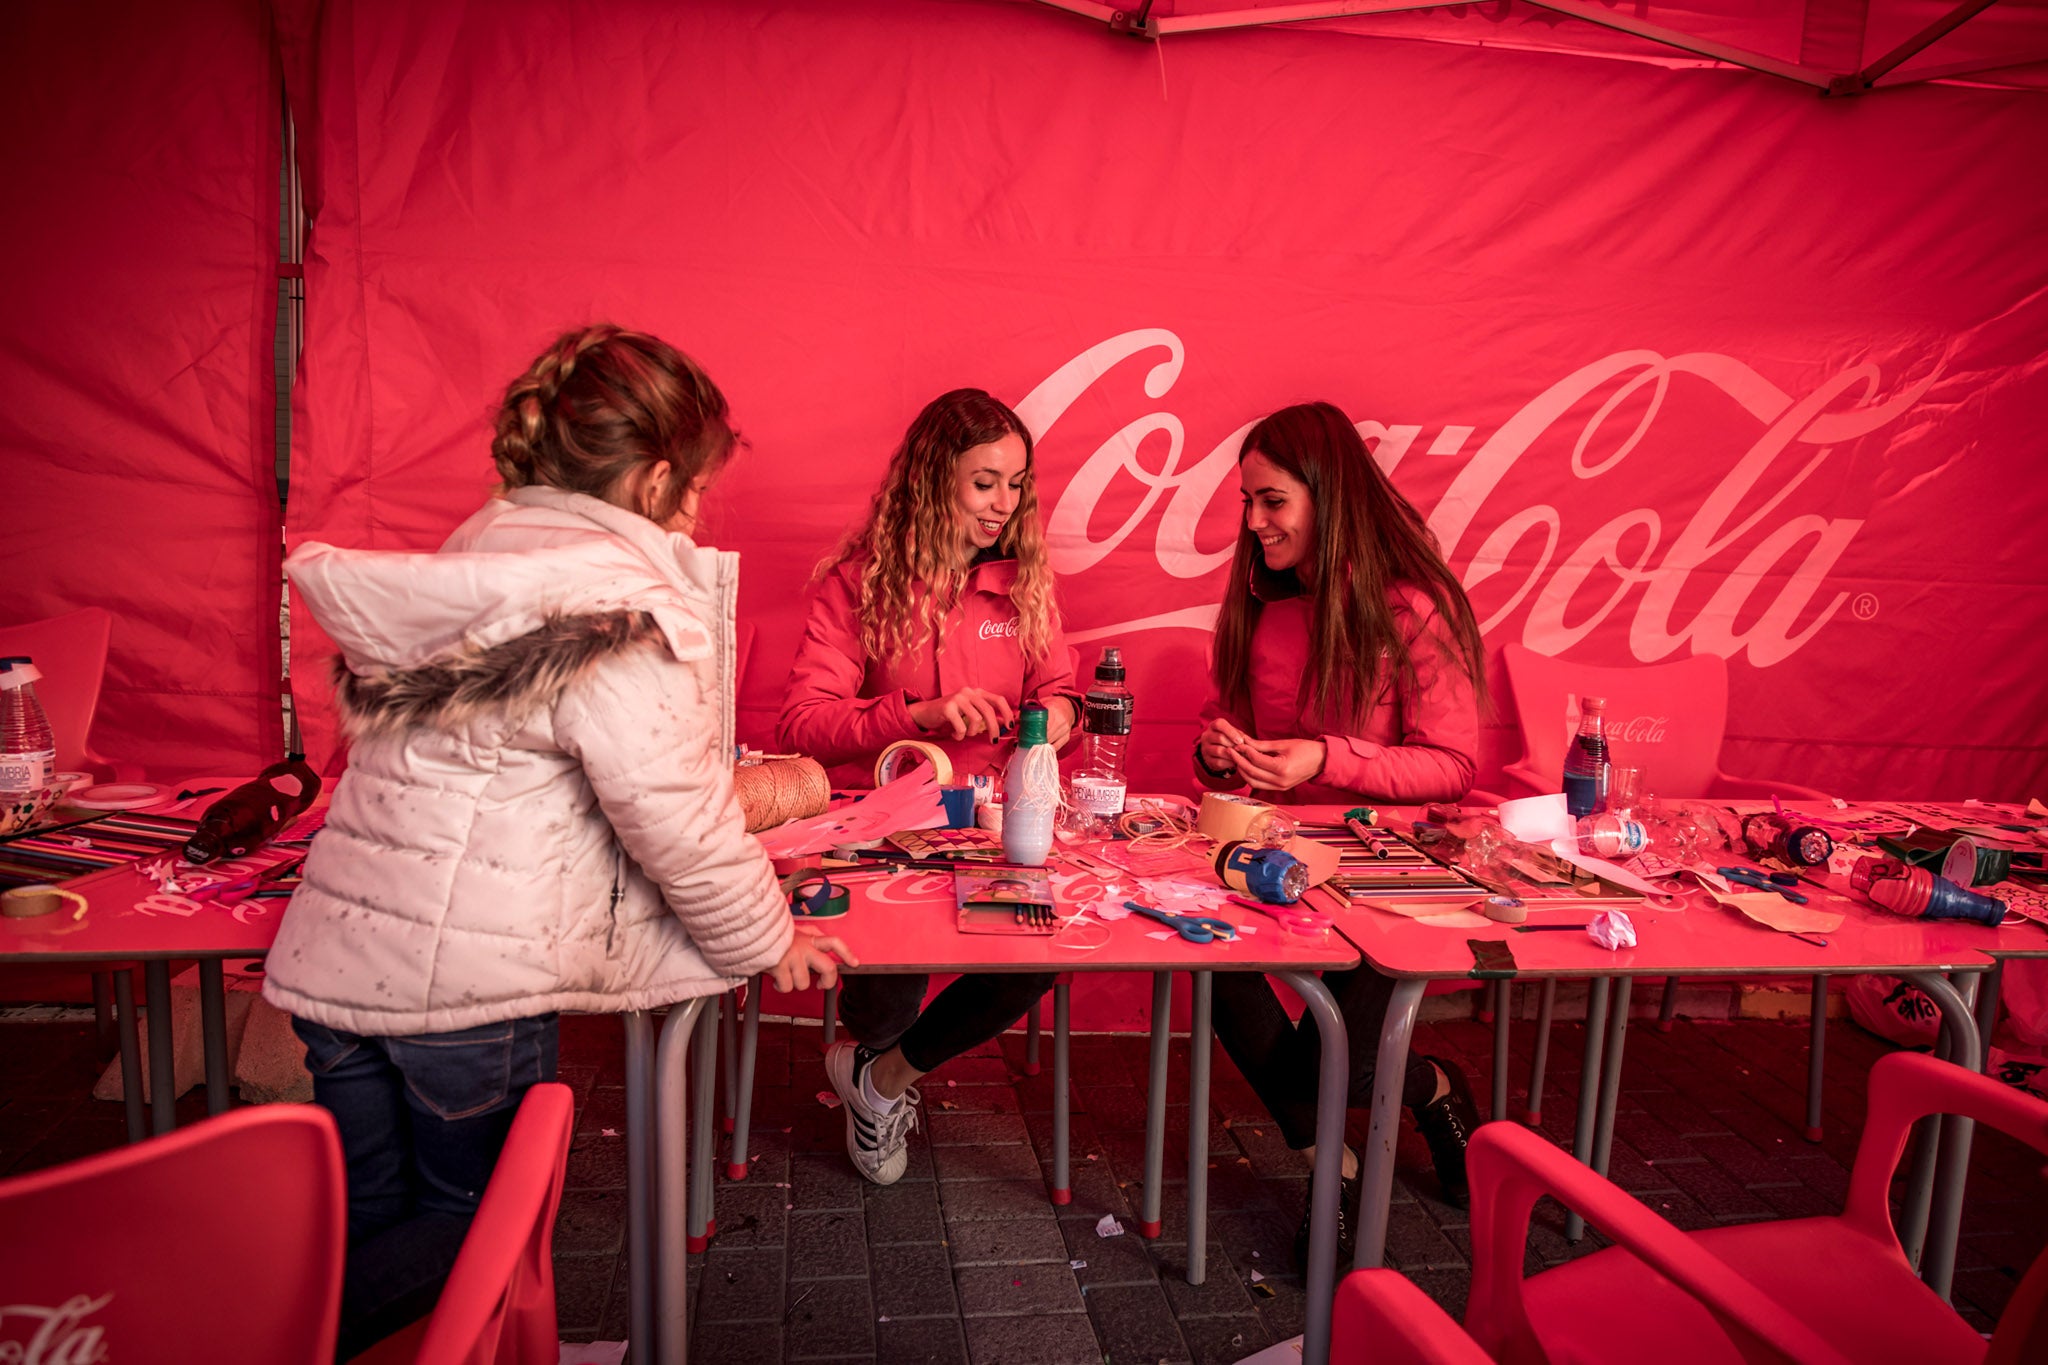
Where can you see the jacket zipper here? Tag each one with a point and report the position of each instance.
(618, 876)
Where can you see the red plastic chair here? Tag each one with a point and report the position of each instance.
(220, 1243)
(498, 1307)
(1807, 1289)
(71, 653)
(1382, 1318)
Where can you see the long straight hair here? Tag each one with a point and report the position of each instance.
(915, 543)
(1369, 540)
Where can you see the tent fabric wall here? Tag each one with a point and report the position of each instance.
(1675, 360)
(140, 248)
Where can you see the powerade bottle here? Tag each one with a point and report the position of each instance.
(1099, 782)
(1585, 762)
(1031, 792)
(253, 813)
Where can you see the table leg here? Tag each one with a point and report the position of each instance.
(829, 1016)
(1503, 1003)
(103, 1006)
(1667, 1008)
(729, 1060)
(1540, 1052)
(1062, 1179)
(702, 1220)
(131, 1054)
(1945, 1216)
(1200, 1046)
(1155, 1105)
(1333, 1088)
(163, 1059)
(1597, 993)
(743, 1087)
(1816, 1061)
(1376, 1175)
(1987, 1008)
(213, 1031)
(671, 1182)
(1610, 1074)
(640, 1190)
(1031, 1030)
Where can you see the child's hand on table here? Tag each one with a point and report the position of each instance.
(810, 954)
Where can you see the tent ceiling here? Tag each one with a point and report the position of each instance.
(1837, 47)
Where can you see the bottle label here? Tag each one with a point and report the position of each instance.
(1097, 796)
(27, 772)
(1107, 713)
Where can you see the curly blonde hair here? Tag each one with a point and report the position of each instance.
(601, 405)
(914, 541)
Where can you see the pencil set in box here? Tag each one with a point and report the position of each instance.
(1004, 900)
(1375, 864)
(60, 852)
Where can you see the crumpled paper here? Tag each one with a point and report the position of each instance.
(1612, 930)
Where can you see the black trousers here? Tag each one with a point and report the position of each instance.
(1282, 1059)
(882, 1011)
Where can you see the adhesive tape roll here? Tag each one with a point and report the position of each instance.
(26, 902)
(895, 760)
(1226, 818)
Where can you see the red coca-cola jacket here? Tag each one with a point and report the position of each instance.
(843, 707)
(1412, 747)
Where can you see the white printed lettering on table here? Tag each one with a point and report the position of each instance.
(58, 1336)
(1795, 553)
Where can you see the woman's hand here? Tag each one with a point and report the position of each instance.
(1279, 764)
(809, 954)
(970, 711)
(1061, 721)
(1218, 746)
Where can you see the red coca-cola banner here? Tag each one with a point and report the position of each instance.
(1677, 361)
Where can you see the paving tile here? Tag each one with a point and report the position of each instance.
(1748, 1163)
(1269, 1234)
(1134, 1323)
(829, 1320)
(1110, 1260)
(751, 1216)
(1415, 1242)
(903, 1213)
(1003, 1291)
(1716, 1190)
(1004, 1162)
(583, 1285)
(596, 1163)
(1286, 1311)
(1005, 1241)
(1224, 1341)
(605, 1108)
(913, 1281)
(973, 1099)
(1061, 1339)
(741, 1284)
(976, 1130)
(827, 1244)
(920, 1341)
(976, 1199)
(1222, 1290)
(591, 1222)
(736, 1343)
(1092, 1189)
(824, 1181)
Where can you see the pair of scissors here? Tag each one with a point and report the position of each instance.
(1193, 928)
(1762, 882)
(240, 889)
(1294, 919)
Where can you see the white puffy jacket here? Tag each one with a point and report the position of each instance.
(538, 812)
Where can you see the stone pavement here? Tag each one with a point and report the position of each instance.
(966, 1261)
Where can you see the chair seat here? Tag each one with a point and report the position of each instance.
(1830, 1277)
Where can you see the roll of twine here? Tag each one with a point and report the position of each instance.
(780, 790)
(1160, 829)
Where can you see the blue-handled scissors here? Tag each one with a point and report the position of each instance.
(1294, 919)
(1762, 882)
(1193, 928)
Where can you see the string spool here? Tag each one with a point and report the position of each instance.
(779, 790)
(1918, 894)
(1972, 864)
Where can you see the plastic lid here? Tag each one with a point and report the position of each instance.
(1031, 725)
(1110, 668)
(18, 670)
(1592, 703)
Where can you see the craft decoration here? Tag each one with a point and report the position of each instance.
(775, 791)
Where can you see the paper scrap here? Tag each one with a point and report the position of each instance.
(1256, 1277)
(1162, 934)
(1077, 1265)
(607, 1132)
(1109, 1227)
(1612, 930)
(1773, 911)
(828, 1099)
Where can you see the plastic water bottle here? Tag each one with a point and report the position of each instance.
(1585, 763)
(255, 812)
(1608, 835)
(1031, 792)
(1099, 783)
(28, 747)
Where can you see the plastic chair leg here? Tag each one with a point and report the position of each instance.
(1667, 1008)
(728, 1057)
(1062, 1179)
(742, 1097)
(1816, 1062)
(1598, 991)
(1031, 1029)
(1540, 1053)
(1503, 1011)
(701, 1220)
(831, 1015)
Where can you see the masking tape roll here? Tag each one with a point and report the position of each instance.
(1225, 818)
(26, 902)
(895, 760)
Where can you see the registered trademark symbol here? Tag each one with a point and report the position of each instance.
(1865, 605)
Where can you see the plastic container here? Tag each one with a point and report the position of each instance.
(253, 814)
(1099, 783)
(28, 746)
(1609, 835)
(1031, 792)
(1585, 762)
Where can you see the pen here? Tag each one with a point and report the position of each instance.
(1545, 928)
(1809, 938)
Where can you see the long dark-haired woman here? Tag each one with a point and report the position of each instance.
(1348, 667)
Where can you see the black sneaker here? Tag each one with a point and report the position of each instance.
(1347, 1230)
(1447, 1124)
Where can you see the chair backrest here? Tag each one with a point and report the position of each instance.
(71, 653)
(498, 1307)
(1383, 1318)
(1667, 719)
(222, 1243)
(2022, 1334)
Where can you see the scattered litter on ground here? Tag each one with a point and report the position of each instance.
(1077, 1265)
(1109, 1227)
(828, 1099)
(607, 1132)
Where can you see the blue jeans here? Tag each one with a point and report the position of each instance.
(422, 1121)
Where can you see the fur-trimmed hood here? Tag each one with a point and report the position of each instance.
(531, 590)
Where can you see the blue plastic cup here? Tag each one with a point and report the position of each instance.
(959, 803)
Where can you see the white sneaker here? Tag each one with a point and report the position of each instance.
(878, 1143)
